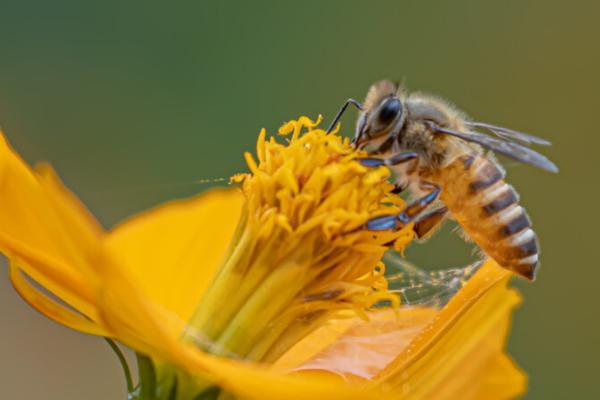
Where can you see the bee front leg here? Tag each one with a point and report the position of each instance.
(400, 158)
(408, 215)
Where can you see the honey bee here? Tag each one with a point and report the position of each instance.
(438, 155)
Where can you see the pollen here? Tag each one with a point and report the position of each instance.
(301, 254)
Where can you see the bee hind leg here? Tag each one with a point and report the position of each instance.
(409, 214)
(427, 223)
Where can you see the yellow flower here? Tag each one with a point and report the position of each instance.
(273, 290)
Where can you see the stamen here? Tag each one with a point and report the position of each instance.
(302, 254)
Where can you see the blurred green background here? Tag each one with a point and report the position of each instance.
(134, 101)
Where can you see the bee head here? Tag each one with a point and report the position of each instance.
(383, 114)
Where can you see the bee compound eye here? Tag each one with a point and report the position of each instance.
(389, 110)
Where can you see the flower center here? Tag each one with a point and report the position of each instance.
(301, 254)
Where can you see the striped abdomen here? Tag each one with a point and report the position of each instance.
(488, 210)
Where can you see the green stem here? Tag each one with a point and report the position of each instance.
(147, 377)
(123, 362)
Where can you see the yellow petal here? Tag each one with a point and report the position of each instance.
(462, 342)
(316, 343)
(502, 380)
(72, 212)
(464, 339)
(257, 382)
(173, 251)
(45, 227)
(355, 348)
(50, 308)
(150, 328)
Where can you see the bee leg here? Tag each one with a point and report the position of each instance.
(374, 162)
(426, 224)
(407, 215)
(418, 206)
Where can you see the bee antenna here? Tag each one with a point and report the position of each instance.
(342, 110)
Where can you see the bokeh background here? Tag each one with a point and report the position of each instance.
(134, 102)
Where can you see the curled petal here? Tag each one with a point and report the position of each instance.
(465, 339)
(45, 228)
(417, 352)
(51, 308)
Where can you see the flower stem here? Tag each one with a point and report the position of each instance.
(147, 377)
(115, 348)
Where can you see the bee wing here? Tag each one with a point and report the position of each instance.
(512, 150)
(510, 134)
